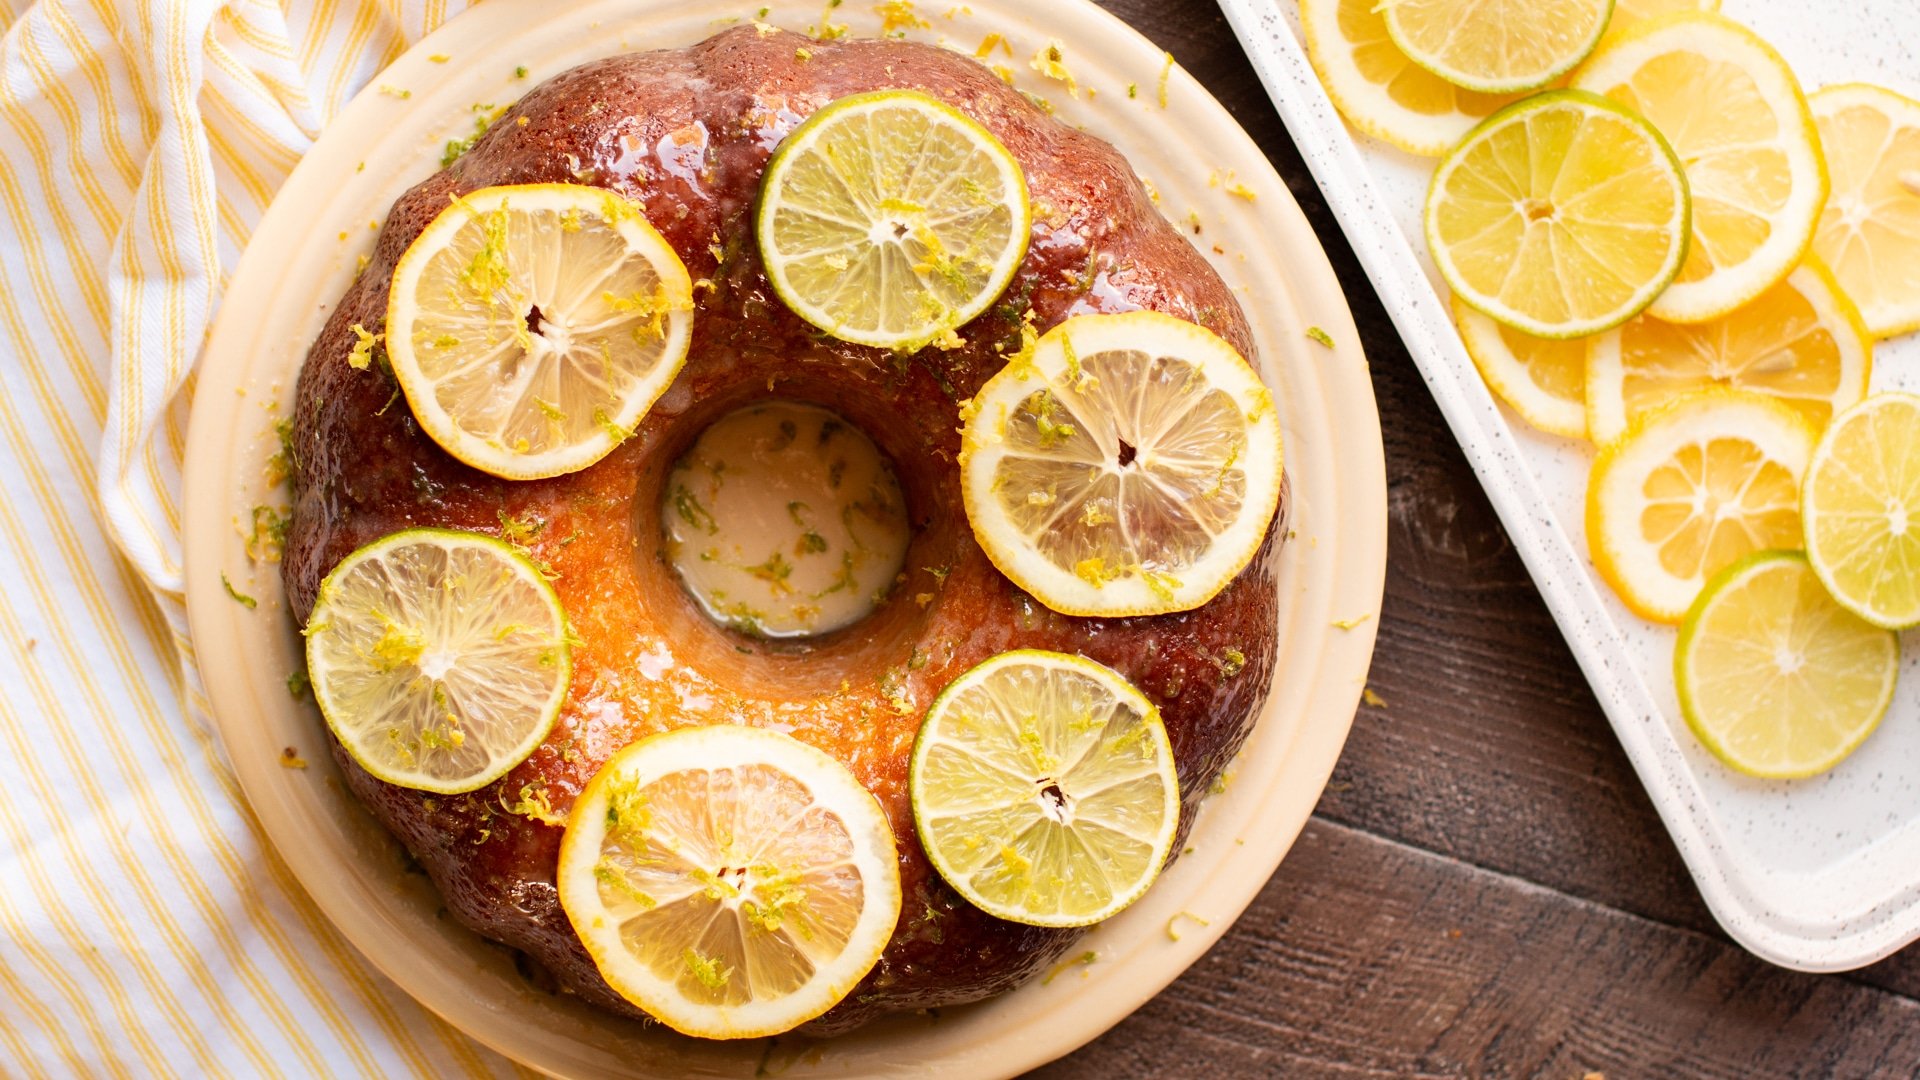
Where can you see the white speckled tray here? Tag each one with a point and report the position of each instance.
(1820, 874)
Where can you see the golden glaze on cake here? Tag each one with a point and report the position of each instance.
(686, 133)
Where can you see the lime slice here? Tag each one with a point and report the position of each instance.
(1497, 46)
(439, 658)
(1861, 506)
(731, 881)
(1870, 230)
(533, 326)
(1130, 466)
(1561, 215)
(890, 219)
(1775, 678)
(1732, 110)
(1043, 789)
(1691, 489)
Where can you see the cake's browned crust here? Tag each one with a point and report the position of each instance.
(687, 133)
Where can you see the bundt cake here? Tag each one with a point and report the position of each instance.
(686, 134)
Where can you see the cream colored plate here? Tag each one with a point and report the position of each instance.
(1333, 570)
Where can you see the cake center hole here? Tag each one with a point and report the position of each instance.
(784, 521)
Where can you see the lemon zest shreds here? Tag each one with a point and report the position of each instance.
(1050, 63)
(360, 357)
(1166, 70)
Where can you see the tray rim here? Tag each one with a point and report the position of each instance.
(1267, 811)
(1738, 899)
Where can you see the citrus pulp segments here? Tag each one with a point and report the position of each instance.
(532, 326)
(1870, 231)
(1542, 379)
(1690, 489)
(1733, 111)
(703, 866)
(1800, 341)
(1776, 679)
(1027, 770)
(1130, 466)
(1497, 46)
(1379, 90)
(1562, 215)
(890, 218)
(438, 658)
(1860, 505)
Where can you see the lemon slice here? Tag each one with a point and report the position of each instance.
(438, 658)
(1692, 488)
(532, 326)
(1870, 230)
(1561, 215)
(1861, 505)
(732, 882)
(1799, 341)
(1732, 110)
(890, 219)
(1044, 790)
(1129, 466)
(1543, 379)
(1497, 46)
(1628, 14)
(1379, 90)
(1774, 677)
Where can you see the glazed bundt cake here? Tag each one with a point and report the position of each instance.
(686, 134)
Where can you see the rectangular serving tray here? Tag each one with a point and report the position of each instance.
(1820, 874)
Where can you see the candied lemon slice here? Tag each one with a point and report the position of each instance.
(1870, 231)
(1044, 790)
(1378, 89)
(1542, 379)
(1559, 216)
(1861, 506)
(439, 658)
(532, 326)
(889, 219)
(1691, 489)
(1497, 46)
(732, 882)
(1799, 341)
(1774, 677)
(1129, 466)
(1732, 110)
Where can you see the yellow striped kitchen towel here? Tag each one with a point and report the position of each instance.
(146, 928)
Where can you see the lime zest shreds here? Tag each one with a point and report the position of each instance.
(239, 597)
(1321, 336)
(439, 659)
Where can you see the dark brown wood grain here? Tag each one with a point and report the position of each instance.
(1486, 889)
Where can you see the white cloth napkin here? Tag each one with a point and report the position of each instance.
(146, 927)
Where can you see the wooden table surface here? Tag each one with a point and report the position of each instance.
(1484, 889)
